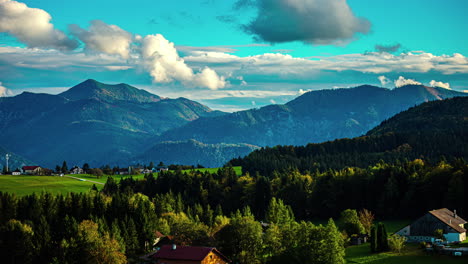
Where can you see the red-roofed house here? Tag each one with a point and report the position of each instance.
(172, 254)
(32, 170)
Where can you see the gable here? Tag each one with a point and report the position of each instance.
(427, 224)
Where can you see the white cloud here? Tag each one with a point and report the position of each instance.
(311, 21)
(105, 38)
(286, 66)
(384, 80)
(4, 91)
(272, 101)
(32, 26)
(302, 91)
(56, 60)
(402, 81)
(164, 65)
(435, 83)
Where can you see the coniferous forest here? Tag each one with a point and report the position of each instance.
(223, 210)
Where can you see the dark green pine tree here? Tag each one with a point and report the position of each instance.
(373, 239)
(64, 167)
(132, 237)
(382, 238)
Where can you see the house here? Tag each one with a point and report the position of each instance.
(16, 172)
(146, 171)
(76, 170)
(161, 168)
(31, 170)
(172, 254)
(162, 240)
(124, 171)
(423, 228)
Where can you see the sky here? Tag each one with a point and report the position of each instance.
(232, 54)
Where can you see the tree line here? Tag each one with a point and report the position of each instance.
(98, 228)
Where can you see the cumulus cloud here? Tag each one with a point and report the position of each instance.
(384, 80)
(102, 37)
(32, 26)
(402, 81)
(318, 22)
(435, 83)
(388, 48)
(4, 91)
(164, 65)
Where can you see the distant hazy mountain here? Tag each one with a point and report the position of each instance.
(91, 122)
(192, 152)
(316, 116)
(428, 131)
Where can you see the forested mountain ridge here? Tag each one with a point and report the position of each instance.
(314, 117)
(91, 122)
(117, 92)
(429, 131)
(193, 152)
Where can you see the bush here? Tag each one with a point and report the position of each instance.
(423, 245)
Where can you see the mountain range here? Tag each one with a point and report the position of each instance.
(430, 131)
(316, 116)
(120, 124)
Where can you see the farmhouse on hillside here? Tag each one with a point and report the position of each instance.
(172, 254)
(423, 228)
(76, 170)
(31, 170)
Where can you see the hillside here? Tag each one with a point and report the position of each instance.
(192, 152)
(314, 117)
(91, 122)
(429, 131)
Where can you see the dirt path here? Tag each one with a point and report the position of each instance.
(82, 179)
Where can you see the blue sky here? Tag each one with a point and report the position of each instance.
(233, 55)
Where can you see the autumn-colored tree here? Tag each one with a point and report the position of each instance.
(366, 218)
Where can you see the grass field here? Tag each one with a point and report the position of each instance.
(411, 254)
(103, 178)
(24, 184)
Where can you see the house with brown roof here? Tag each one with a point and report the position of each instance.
(424, 227)
(31, 170)
(172, 254)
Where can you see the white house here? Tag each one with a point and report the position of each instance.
(424, 227)
(76, 170)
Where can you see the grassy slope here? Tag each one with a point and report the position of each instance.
(103, 179)
(23, 184)
(410, 255)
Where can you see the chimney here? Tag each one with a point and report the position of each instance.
(174, 247)
(454, 213)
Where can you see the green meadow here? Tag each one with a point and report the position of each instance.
(25, 184)
(103, 178)
(411, 254)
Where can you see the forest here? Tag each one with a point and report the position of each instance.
(250, 218)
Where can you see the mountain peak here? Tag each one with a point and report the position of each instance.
(92, 89)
